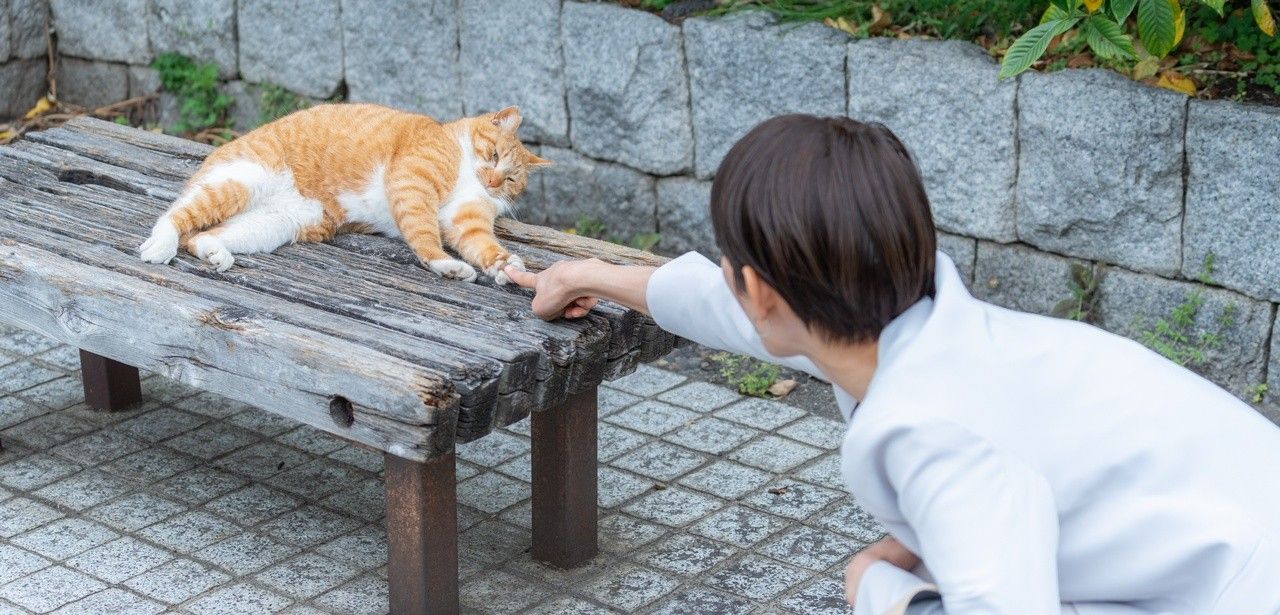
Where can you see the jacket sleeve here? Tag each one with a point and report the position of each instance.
(986, 525)
(689, 297)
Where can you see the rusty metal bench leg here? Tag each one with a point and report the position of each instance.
(564, 482)
(422, 535)
(108, 384)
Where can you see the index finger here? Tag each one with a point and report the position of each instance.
(522, 278)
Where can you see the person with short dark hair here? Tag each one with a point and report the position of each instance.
(1021, 464)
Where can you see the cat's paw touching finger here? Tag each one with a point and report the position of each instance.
(497, 271)
(452, 269)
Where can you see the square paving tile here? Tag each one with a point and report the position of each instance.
(100, 447)
(308, 526)
(685, 555)
(492, 492)
(774, 454)
(24, 342)
(500, 593)
(816, 431)
(760, 413)
(810, 548)
(362, 458)
(119, 560)
(238, 599)
(821, 597)
(613, 400)
(646, 381)
(311, 440)
(161, 389)
(700, 600)
(113, 601)
(24, 375)
(306, 576)
(50, 588)
(700, 396)
(711, 435)
(825, 471)
(246, 552)
(616, 486)
(623, 533)
(212, 440)
(64, 538)
(493, 449)
(727, 479)
(15, 562)
(49, 430)
(14, 411)
(738, 525)
(135, 511)
(660, 461)
(262, 422)
(629, 587)
(88, 488)
(653, 417)
(612, 441)
(177, 581)
(151, 465)
(849, 519)
(493, 541)
(262, 460)
(254, 504)
(63, 357)
(316, 478)
(673, 506)
(365, 548)
(213, 406)
(56, 394)
(366, 595)
(794, 499)
(570, 605)
(365, 500)
(190, 531)
(35, 471)
(756, 578)
(161, 424)
(200, 485)
(519, 467)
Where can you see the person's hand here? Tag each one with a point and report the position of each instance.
(557, 289)
(887, 549)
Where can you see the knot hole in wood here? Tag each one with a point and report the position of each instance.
(340, 411)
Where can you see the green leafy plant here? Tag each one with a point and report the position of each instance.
(966, 19)
(587, 226)
(200, 103)
(1258, 392)
(1083, 283)
(749, 376)
(1174, 337)
(644, 241)
(278, 102)
(1160, 26)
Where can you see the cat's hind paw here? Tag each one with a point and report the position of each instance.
(498, 270)
(211, 250)
(161, 246)
(452, 269)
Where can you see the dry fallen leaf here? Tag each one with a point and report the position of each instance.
(843, 24)
(1170, 80)
(1146, 67)
(778, 490)
(879, 21)
(782, 387)
(1080, 60)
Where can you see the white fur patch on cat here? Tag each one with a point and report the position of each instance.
(370, 206)
(453, 269)
(498, 270)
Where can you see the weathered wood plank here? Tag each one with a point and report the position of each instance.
(276, 366)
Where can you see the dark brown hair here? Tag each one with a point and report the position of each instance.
(832, 214)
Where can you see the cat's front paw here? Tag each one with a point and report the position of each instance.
(452, 269)
(498, 270)
(161, 246)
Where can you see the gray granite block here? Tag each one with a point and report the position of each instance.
(108, 31)
(203, 30)
(295, 44)
(403, 54)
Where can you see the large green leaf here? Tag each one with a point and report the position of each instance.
(1216, 5)
(1156, 26)
(1053, 13)
(1031, 45)
(1121, 9)
(1106, 38)
(1262, 16)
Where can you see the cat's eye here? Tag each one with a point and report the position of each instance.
(510, 179)
(495, 157)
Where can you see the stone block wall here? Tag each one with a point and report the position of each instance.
(1026, 176)
(23, 55)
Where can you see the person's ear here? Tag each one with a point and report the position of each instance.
(762, 298)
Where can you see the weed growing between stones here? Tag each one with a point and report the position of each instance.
(587, 226)
(1173, 337)
(1083, 284)
(749, 376)
(201, 105)
(278, 102)
(1258, 392)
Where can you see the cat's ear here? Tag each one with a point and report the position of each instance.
(534, 160)
(507, 119)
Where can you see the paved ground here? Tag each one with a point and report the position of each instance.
(710, 503)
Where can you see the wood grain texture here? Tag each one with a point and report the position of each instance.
(453, 360)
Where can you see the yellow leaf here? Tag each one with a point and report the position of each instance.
(42, 106)
(6, 136)
(843, 24)
(1179, 22)
(1262, 15)
(1093, 5)
(1170, 80)
(571, 231)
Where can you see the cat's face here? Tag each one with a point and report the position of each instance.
(502, 162)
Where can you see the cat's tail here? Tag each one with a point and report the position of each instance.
(201, 205)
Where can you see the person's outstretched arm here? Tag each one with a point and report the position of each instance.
(687, 296)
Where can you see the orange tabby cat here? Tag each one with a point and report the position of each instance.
(355, 168)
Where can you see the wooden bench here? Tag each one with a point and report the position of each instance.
(351, 337)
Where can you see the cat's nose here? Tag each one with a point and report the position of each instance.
(494, 180)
